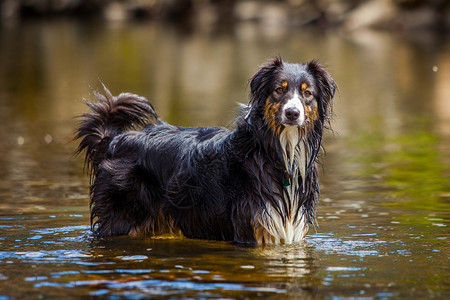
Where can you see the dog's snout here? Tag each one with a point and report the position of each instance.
(292, 114)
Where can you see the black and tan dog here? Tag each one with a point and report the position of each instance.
(255, 184)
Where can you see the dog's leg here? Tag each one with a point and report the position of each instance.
(244, 229)
(123, 201)
(108, 212)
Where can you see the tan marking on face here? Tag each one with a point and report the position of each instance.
(304, 86)
(312, 114)
(270, 112)
(284, 84)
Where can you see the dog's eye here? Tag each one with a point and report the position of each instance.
(307, 93)
(279, 90)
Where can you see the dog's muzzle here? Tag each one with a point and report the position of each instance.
(293, 112)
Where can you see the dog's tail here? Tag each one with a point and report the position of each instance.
(109, 116)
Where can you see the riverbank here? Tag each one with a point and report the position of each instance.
(397, 15)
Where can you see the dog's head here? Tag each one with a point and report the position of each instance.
(291, 95)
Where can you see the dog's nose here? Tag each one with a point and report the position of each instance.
(292, 114)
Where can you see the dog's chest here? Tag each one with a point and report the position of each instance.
(271, 227)
(290, 226)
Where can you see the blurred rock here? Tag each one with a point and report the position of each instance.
(370, 13)
(266, 13)
(116, 11)
(405, 15)
(9, 9)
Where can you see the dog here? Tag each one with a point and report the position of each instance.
(255, 184)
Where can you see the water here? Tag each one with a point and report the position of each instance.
(384, 213)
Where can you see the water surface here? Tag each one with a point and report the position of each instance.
(384, 212)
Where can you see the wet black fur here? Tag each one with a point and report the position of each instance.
(209, 183)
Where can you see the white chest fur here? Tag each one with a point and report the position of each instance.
(271, 227)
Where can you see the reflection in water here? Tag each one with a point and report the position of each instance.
(161, 266)
(383, 216)
(286, 260)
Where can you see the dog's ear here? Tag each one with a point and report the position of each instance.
(261, 81)
(326, 85)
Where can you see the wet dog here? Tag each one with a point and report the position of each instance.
(255, 184)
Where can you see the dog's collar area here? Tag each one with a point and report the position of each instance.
(287, 179)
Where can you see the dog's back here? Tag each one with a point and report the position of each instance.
(161, 179)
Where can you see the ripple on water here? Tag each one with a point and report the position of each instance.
(133, 257)
(150, 287)
(341, 246)
(65, 229)
(43, 256)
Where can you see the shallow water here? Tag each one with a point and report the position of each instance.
(384, 215)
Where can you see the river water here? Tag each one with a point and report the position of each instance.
(384, 213)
